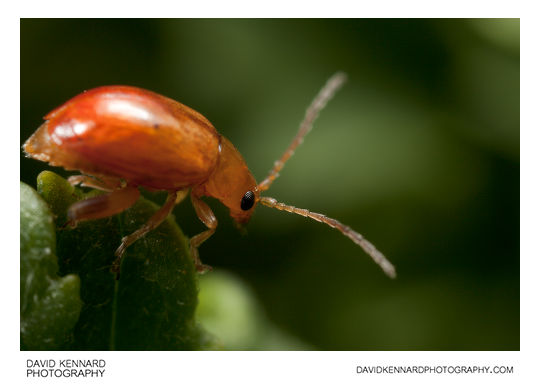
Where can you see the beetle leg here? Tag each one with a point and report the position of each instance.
(103, 205)
(103, 184)
(206, 215)
(151, 224)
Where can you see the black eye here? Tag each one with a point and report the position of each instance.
(247, 201)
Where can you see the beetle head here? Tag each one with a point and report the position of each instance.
(232, 183)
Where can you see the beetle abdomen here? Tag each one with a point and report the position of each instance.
(131, 133)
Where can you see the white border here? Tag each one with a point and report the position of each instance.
(276, 8)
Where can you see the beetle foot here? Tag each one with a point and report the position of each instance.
(202, 268)
(199, 266)
(71, 224)
(115, 268)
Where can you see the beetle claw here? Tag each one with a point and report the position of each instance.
(202, 268)
(115, 268)
(72, 224)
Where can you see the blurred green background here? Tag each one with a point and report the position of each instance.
(419, 152)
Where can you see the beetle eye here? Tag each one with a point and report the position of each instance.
(247, 201)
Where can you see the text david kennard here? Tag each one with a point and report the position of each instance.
(65, 368)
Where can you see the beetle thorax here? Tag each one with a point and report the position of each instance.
(230, 181)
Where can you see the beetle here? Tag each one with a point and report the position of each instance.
(122, 137)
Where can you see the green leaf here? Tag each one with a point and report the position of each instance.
(230, 310)
(50, 305)
(152, 305)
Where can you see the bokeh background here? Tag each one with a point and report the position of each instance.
(419, 152)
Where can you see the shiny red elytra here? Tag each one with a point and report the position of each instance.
(121, 138)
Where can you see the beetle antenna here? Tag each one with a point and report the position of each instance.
(325, 94)
(369, 248)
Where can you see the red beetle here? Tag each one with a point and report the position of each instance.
(122, 137)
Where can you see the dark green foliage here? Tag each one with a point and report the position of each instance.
(50, 305)
(151, 306)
